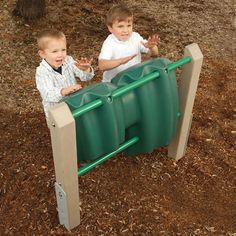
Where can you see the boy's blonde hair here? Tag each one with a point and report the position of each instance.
(47, 35)
(118, 13)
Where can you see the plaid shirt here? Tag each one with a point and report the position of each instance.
(49, 82)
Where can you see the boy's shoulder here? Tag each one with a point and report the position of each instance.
(43, 67)
(136, 35)
(69, 58)
(109, 38)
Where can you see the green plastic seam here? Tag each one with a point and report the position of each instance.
(134, 85)
(100, 160)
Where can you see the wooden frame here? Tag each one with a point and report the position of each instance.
(63, 138)
(187, 92)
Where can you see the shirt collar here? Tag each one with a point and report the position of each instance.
(45, 64)
(58, 70)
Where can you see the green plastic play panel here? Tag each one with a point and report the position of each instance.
(149, 112)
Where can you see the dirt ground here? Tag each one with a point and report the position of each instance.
(143, 195)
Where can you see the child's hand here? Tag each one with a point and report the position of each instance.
(152, 41)
(70, 89)
(83, 63)
(124, 60)
(75, 87)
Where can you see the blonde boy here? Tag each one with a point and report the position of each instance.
(123, 47)
(57, 72)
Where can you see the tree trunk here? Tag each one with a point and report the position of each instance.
(30, 10)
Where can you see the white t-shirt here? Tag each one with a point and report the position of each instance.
(113, 48)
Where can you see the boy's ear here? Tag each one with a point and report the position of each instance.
(41, 53)
(109, 28)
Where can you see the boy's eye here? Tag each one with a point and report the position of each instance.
(63, 49)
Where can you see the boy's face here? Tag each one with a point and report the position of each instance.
(122, 29)
(54, 53)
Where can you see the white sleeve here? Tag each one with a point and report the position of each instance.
(142, 48)
(106, 51)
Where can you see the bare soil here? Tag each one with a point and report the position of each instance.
(143, 195)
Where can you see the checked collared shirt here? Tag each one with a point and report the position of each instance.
(49, 82)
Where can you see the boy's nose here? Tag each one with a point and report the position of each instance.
(126, 29)
(60, 54)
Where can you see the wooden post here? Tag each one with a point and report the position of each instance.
(63, 138)
(187, 92)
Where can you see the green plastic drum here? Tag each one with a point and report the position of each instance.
(149, 112)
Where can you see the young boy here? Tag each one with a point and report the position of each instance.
(123, 47)
(55, 76)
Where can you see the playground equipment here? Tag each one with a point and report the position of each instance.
(139, 111)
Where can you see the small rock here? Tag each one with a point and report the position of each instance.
(210, 229)
(208, 139)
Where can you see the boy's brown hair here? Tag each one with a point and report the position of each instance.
(118, 13)
(45, 36)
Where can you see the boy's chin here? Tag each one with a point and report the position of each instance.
(57, 65)
(124, 39)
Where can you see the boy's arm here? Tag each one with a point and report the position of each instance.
(105, 61)
(82, 68)
(49, 92)
(46, 88)
(70, 89)
(154, 51)
(151, 44)
(110, 64)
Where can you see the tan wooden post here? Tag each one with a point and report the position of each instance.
(63, 138)
(187, 92)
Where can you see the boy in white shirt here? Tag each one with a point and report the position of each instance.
(57, 72)
(123, 47)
